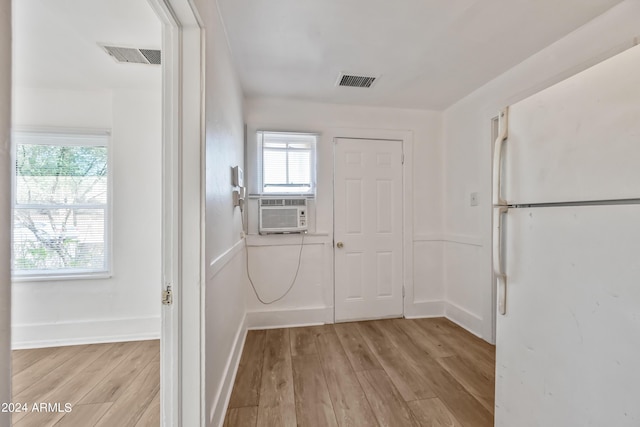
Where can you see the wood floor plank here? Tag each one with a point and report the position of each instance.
(43, 389)
(151, 416)
(247, 384)
(33, 419)
(277, 403)
(439, 325)
(481, 387)
(454, 336)
(242, 417)
(313, 403)
(484, 363)
(358, 352)
(123, 374)
(349, 401)
(129, 407)
(429, 343)
(403, 371)
(303, 341)
(464, 406)
(79, 383)
(84, 415)
(386, 402)
(318, 330)
(26, 378)
(23, 359)
(472, 342)
(469, 347)
(432, 413)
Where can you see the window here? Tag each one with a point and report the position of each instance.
(60, 205)
(288, 162)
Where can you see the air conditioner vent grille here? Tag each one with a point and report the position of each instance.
(134, 55)
(283, 202)
(152, 55)
(356, 81)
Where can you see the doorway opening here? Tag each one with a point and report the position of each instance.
(87, 210)
(42, 112)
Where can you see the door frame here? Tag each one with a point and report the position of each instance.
(5, 208)
(181, 350)
(406, 137)
(493, 292)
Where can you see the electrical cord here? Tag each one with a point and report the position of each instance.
(253, 286)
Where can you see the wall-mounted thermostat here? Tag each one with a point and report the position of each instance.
(237, 177)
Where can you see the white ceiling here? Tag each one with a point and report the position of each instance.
(430, 53)
(56, 43)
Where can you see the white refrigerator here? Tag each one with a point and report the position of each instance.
(567, 252)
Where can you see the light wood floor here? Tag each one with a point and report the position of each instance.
(426, 372)
(109, 385)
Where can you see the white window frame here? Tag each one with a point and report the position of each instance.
(313, 166)
(65, 137)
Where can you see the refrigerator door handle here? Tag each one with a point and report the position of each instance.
(501, 283)
(501, 278)
(503, 132)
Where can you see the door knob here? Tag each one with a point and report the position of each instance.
(339, 245)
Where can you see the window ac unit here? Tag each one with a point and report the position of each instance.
(278, 215)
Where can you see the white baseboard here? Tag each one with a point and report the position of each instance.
(420, 309)
(84, 332)
(464, 318)
(289, 318)
(231, 369)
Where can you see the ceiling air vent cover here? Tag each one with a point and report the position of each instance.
(134, 55)
(352, 80)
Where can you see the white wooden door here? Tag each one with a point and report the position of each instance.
(368, 229)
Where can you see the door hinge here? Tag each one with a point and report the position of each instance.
(402, 158)
(403, 292)
(167, 296)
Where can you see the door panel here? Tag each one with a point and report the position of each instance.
(567, 348)
(579, 139)
(368, 222)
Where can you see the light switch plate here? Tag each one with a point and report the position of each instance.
(473, 199)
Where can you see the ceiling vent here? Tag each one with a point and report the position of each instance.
(134, 55)
(352, 80)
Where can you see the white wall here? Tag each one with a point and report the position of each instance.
(274, 260)
(224, 299)
(467, 164)
(5, 204)
(125, 306)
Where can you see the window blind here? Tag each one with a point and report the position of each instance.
(60, 201)
(288, 162)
